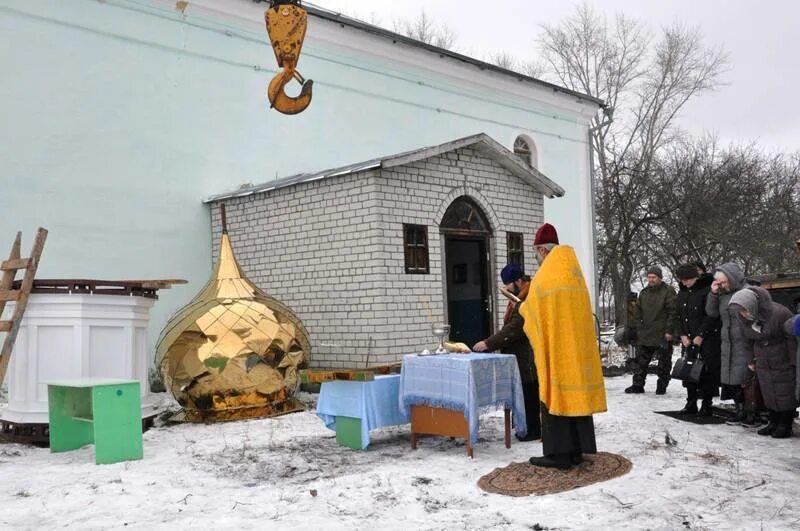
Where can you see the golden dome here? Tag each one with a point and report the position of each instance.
(233, 352)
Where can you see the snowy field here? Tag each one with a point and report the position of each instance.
(288, 473)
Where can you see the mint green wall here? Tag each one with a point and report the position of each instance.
(119, 117)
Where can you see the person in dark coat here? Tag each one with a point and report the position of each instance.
(653, 325)
(511, 339)
(774, 355)
(736, 350)
(699, 335)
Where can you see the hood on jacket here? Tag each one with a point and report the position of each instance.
(764, 301)
(746, 299)
(735, 275)
(755, 300)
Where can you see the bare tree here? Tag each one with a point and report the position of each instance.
(508, 61)
(645, 83)
(504, 60)
(424, 29)
(373, 18)
(735, 204)
(535, 68)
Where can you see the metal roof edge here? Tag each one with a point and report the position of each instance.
(339, 18)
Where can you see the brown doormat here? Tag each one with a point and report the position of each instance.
(524, 479)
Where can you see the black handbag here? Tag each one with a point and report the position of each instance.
(688, 368)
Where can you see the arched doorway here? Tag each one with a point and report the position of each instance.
(466, 234)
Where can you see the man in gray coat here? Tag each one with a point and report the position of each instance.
(737, 351)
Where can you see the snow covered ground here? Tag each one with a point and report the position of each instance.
(288, 473)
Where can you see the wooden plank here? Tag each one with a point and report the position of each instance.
(5, 326)
(164, 283)
(781, 283)
(13, 265)
(426, 420)
(91, 285)
(391, 368)
(7, 295)
(354, 375)
(507, 416)
(320, 375)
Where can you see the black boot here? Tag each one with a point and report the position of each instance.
(739, 417)
(576, 458)
(531, 436)
(705, 409)
(635, 389)
(784, 429)
(661, 387)
(691, 400)
(751, 419)
(770, 428)
(559, 461)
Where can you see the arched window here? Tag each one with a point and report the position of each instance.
(465, 216)
(525, 149)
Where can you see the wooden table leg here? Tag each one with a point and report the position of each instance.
(508, 427)
(413, 441)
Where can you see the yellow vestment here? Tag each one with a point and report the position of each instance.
(560, 327)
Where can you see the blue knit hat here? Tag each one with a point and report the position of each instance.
(510, 273)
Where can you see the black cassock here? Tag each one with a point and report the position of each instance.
(567, 435)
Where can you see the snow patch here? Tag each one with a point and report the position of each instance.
(288, 472)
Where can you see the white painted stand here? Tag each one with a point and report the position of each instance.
(64, 336)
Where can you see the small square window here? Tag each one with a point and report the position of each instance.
(516, 249)
(415, 243)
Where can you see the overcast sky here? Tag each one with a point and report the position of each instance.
(759, 103)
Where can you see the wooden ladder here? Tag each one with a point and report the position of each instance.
(19, 296)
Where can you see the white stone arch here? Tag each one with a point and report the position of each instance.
(475, 195)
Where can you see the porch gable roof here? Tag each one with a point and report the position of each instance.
(481, 142)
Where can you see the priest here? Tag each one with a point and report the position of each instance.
(560, 328)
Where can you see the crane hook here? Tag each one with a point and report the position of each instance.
(286, 27)
(280, 101)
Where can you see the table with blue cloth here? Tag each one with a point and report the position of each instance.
(354, 408)
(445, 394)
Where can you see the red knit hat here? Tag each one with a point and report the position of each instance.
(546, 234)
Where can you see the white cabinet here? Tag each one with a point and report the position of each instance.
(66, 336)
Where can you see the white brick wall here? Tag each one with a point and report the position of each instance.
(332, 250)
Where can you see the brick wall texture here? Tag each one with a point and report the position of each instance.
(332, 250)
